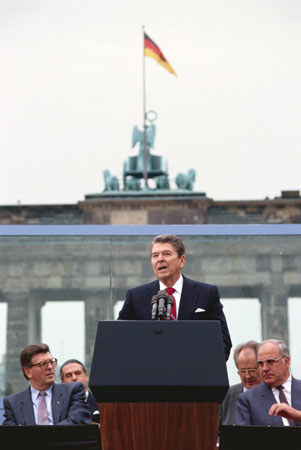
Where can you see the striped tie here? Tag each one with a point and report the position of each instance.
(42, 409)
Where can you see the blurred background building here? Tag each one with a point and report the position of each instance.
(56, 288)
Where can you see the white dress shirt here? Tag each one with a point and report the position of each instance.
(287, 390)
(178, 286)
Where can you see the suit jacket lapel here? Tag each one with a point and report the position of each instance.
(267, 399)
(56, 403)
(152, 289)
(188, 299)
(296, 394)
(26, 408)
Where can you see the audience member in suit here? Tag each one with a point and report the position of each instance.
(44, 402)
(194, 300)
(74, 370)
(265, 404)
(245, 357)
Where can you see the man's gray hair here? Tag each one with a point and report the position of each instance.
(252, 345)
(284, 351)
(171, 239)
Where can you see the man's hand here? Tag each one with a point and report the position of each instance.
(284, 410)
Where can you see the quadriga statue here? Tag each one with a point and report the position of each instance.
(185, 181)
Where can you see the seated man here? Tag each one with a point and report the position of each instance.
(279, 394)
(44, 402)
(246, 362)
(74, 370)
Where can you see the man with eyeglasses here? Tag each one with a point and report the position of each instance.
(276, 401)
(44, 402)
(246, 362)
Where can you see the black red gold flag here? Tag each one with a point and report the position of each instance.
(151, 49)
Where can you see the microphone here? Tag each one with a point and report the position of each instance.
(162, 297)
(154, 307)
(170, 302)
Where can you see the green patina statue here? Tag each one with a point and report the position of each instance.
(145, 165)
(185, 181)
(111, 182)
(134, 166)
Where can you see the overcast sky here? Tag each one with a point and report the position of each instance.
(71, 92)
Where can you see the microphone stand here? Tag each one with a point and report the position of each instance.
(162, 304)
(170, 302)
(154, 307)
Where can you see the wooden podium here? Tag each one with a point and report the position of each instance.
(159, 384)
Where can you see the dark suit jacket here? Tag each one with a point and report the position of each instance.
(228, 408)
(137, 305)
(253, 405)
(93, 406)
(69, 406)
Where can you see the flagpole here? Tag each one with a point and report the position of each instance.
(144, 120)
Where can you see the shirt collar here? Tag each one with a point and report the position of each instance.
(177, 286)
(287, 385)
(35, 393)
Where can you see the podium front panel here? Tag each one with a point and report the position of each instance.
(159, 361)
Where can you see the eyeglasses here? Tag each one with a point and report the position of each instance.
(44, 364)
(269, 361)
(245, 371)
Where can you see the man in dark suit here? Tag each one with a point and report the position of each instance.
(194, 300)
(74, 370)
(45, 402)
(245, 357)
(276, 401)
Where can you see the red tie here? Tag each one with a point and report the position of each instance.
(170, 291)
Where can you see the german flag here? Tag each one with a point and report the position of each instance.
(151, 49)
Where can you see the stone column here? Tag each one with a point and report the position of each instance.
(274, 312)
(17, 338)
(34, 319)
(96, 308)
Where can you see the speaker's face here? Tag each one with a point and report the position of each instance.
(166, 263)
